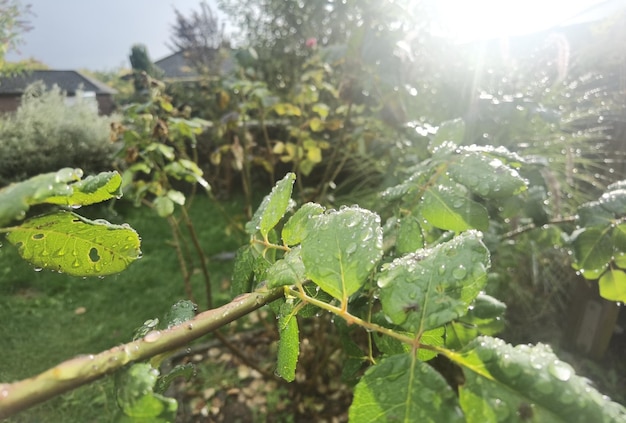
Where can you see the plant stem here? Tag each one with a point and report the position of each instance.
(181, 259)
(201, 256)
(78, 371)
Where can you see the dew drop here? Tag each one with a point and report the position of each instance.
(351, 248)
(37, 269)
(460, 272)
(76, 263)
(152, 336)
(560, 370)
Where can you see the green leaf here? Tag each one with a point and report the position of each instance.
(528, 376)
(410, 237)
(614, 202)
(486, 175)
(16, 199)
(288, 109)
(176, 196)
(135, 396)
(294, 230)
(487, 307)
(449, 131)
(164, 206)
(287, 271)
(243, 271)
(180, 312)
(341, 249)
(434, 337)
(401, 388)
(426, 289)
(289, 343)
(613, 285)
(449, 208)
(593, 214)
(272, 208)
(593, 250)
(91, 190)
(71, 244)
(186, 371)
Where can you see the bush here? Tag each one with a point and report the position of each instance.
(46, 134)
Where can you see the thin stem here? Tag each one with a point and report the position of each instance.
(181, 259)
(201, 256)
(78, 371)
(531, 226)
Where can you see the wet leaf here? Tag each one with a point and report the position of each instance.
(449, 131)
(448, 207)
(91, 190)
(135, 396)
(289, 343)
(243, 271)
(186, 371)
(164, 206)
(179, 313)
(410, 237)
(71, 244)
(593, 250)
(287, 271)
(16, 199)
(294, 230)
(341, 248)
(401, 388)
(272, 208)
(426, 289)
(509, 382)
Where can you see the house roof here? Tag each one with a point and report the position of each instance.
(69, 81)
(176, 66)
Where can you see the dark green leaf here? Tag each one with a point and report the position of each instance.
(182, 370)
(180, 312)
(243, 271)
(401, 388)
(593, 214)
(531, 376)
(287, 271)
(593, 250)
(431, 287)
(294, 230)
(410, 238)
(341, 249)
(449, 208)
(289, 343)
(614, 202)
(486, 176)
(449, 131)
(71, 244)
(487, 307)
(272, 208)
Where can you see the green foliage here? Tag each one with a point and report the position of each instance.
(64, 241)
(46, 134)
(599, 245)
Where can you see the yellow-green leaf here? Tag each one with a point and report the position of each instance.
(69, 243)
(613, 285)
(91, 190)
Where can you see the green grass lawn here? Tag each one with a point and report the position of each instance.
(48, 317)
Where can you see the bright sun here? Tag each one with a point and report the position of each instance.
(480, 19)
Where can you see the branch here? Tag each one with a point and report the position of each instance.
(78, 371)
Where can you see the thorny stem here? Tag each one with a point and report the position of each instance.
(352, 319)
(78, 371)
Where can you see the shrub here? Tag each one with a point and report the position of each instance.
(46, 134)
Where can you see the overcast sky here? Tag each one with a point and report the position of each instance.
(98, 34)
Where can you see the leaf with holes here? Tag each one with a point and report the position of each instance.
(272, 208)
(401, 388)
(504, 383)
(431, 287)
(93, 189)
(16, 199)
(448, 207)
(71, 244)
(341, 249)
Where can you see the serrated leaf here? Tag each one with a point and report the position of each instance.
(532, 375)
(449, 208)
(289, 343)
(341, 249)
(243, 271)
(179, 313)
(593, 250)
(272, 208)
(486, 176)
(401, 388)
(294, 230)
(71, 244)
(91, 190)
(410, 237)
(163, 206)
(16, 199)
(426, 289)
(135, 396)
(613, 285)
(287, 271)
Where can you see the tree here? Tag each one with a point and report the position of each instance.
(12, 25)
(201, 38)
(142, 66)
